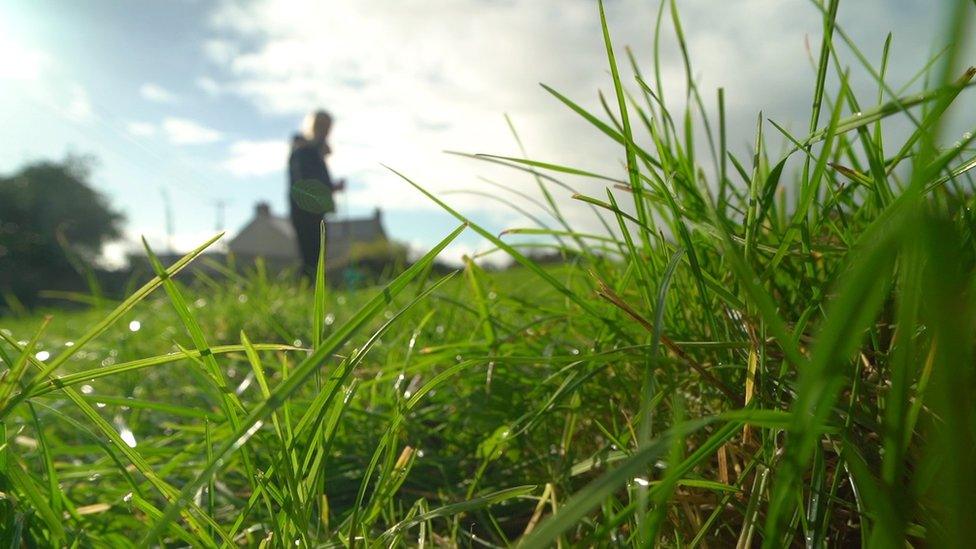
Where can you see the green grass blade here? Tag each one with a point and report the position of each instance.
(17, 369)
(303, 372)
(123, 308)
(318, 307)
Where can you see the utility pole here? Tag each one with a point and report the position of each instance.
(219, 206)
(170, 223)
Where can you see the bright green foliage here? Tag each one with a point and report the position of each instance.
(774, 352)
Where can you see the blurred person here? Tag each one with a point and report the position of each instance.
(308, 172)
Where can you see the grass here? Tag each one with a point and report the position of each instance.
(751, 354)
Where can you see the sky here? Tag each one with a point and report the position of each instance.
(192, 102)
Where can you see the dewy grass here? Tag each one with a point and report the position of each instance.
(745, 355)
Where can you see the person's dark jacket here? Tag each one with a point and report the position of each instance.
(306, 163)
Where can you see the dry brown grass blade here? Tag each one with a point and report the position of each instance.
(606, 293)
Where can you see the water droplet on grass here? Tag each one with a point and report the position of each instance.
(329, 319)
(415, 383)
(69, 343)
(42, 356)
(642, 481)
(87, 389)
(297, 343)
(127, 498)
(245, 384)
(242, 298)
(125, 433)
(247, 434)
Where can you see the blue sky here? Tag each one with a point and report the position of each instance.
(197, 99)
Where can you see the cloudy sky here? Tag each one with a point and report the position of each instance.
(197, 99)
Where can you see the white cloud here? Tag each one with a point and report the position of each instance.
(409, 79)
(208, 85)
(141, 129)
(455, 253)
(160, 242)
(20, 63)
(187, 132)
(156, 93)
(219, 50)
(78, 106)
(256, 158)
(115, 254)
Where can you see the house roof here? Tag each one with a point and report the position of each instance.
(342, 234)
(273, 237)
(366, 229)
(267, 236)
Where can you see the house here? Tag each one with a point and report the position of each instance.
(347, 239)
(273, 238)
(266, 236)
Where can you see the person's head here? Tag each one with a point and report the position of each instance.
(316, 126)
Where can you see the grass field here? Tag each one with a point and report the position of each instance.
(774, 350)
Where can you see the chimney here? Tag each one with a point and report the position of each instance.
(262, 210)
(377, 214)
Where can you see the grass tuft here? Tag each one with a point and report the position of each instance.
(748, 354)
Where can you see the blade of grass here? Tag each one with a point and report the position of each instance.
(302, 372)
(119, 311)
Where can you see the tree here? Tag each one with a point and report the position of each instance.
(51, 224)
